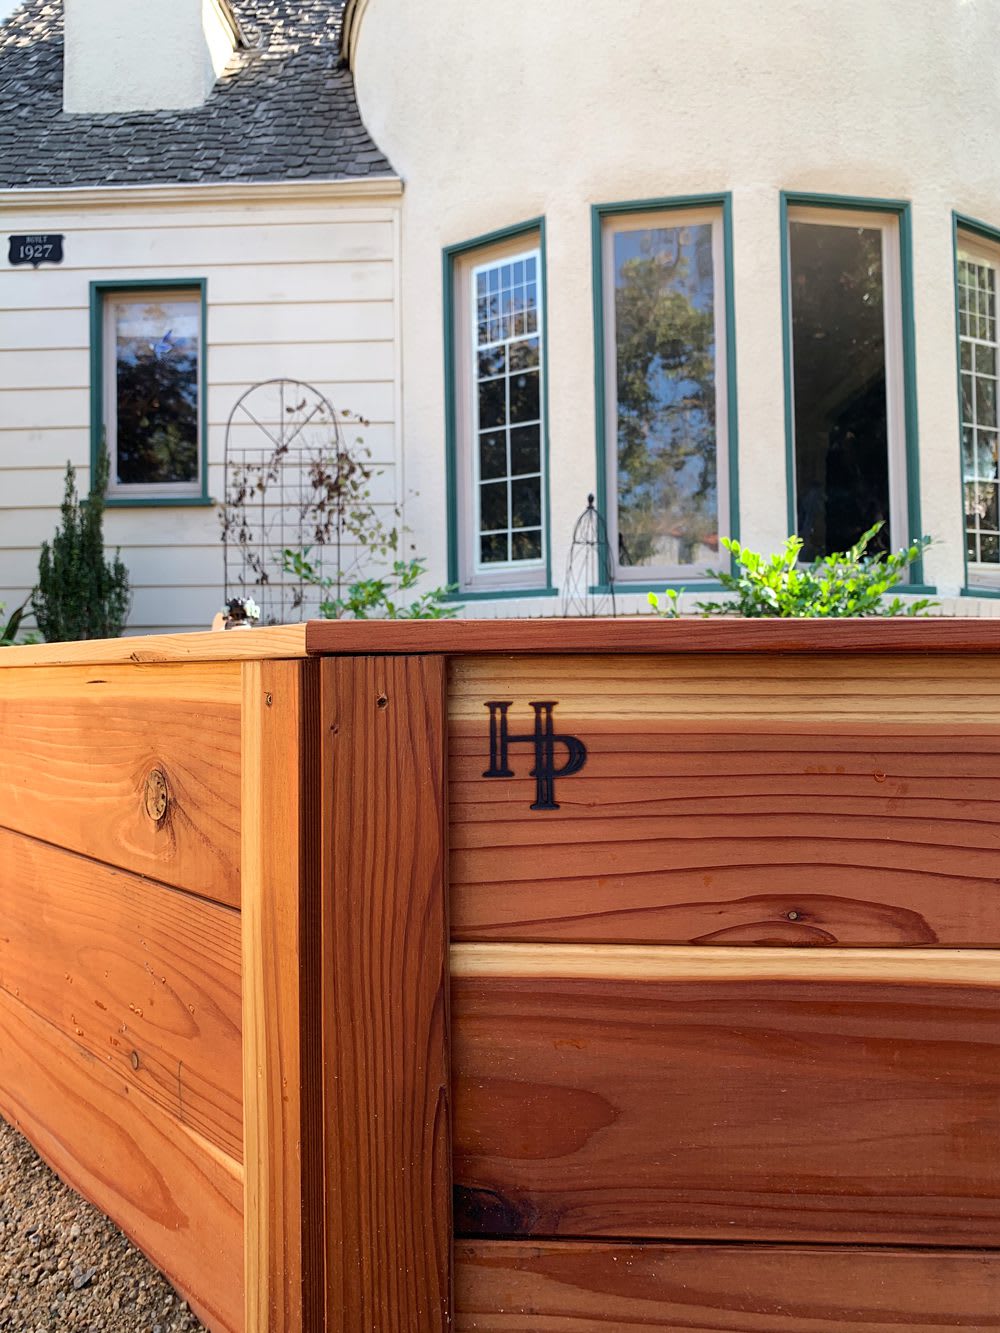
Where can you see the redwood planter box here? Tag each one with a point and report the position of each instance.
(518, 975)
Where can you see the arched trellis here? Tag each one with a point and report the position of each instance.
(589, 588)
(292, 484)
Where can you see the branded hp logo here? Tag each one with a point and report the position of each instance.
(545, 739)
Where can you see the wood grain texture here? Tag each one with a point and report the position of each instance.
(79, 748)
(651, 634)
(241, 646)
(282, 1061)
(851, 801)
(179, 1198)
(385, 1024)
(145, 978)
(808, 1108)
(574, 1287)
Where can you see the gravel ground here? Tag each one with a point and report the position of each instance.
(64, 1266)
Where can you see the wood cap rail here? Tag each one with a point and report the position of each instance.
(650, 634)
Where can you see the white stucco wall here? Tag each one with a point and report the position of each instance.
(301, 282)
(493, 114)
(142, 55)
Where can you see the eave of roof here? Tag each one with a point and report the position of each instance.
(284, 109)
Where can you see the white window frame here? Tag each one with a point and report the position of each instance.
(511, 575)
(892, 321)
(981, 574)
(653, 220)
(160, 490)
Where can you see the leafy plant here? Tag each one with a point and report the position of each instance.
(8, 632)
(80, 593)
(375, 598)
(846, 583)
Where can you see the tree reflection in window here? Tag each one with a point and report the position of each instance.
(157, 349)
(667, 478)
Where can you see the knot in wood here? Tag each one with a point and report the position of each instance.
(156, 795)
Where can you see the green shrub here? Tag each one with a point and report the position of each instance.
(847, 583)
(375, 598)
(80, 593)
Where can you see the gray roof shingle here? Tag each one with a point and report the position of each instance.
(283, 110)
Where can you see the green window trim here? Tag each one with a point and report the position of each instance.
(673, 203)
(900, 209)
(451, 254)
(982, 231)
(98, 291)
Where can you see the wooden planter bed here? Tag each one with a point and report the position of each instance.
(519, 977)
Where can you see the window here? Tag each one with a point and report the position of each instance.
(499, 501)
(977, 336)
(847, 378)
(667, 428)
(149, 375)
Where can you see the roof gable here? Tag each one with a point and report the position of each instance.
(282, 110)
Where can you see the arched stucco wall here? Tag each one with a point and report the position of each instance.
(493, 114)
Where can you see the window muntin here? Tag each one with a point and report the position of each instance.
(507, 412)
(978, 344)
(847, 378)
(665, 391)
(498, 339)
(152, 392)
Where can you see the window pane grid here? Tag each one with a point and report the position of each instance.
(978, 358)
(508, 465)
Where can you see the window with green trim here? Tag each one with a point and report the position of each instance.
(978, 264)
(847, 392)
(666, 390)
(152, 392)
(499, 416)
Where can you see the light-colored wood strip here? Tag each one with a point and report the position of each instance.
(137, 768)
(234, 646)
(799, 689)
(587, 1287)
(208, 683)
(168, 1191)
(956, 967)
(385, 1029)
(144, 977)
(282, 1064)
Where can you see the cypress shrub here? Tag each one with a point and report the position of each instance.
(80, 593)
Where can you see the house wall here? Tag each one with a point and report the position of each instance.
(301, 282)
(497, 114)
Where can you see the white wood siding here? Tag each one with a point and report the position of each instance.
(305, 288)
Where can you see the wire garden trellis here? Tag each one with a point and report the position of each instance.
(589, 589)
(292, 483)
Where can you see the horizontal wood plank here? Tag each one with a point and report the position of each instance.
(800, 1108)
(136, 767)
(575, 1287)
(653, 634)
(173, 1193)
(204, 646)
(851, 801)
(144, 977)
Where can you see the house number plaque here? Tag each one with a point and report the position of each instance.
(40, 248)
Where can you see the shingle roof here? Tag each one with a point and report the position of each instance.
(284, 110)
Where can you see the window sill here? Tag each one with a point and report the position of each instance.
(159, 501)
(479, 595)
(974, 590)
(701, 585)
